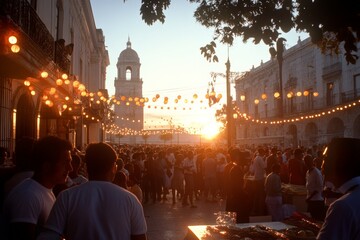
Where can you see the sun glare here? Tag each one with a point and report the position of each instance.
(211, 130)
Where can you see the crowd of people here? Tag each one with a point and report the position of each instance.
(62, 185)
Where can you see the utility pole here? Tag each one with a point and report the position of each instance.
(229, 119)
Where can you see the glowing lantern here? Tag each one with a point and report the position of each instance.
(15, 48)
(256, 101)
(179, 97)
(76, 84)
(306, 93)
(27, 83)
(316, 94)
(12, 39)
(67, 81)
(82, 87)
(263, 96)
(44, 74)
(99, 93)
(195, 96)
(276, 94)
(52, 91)
(59, 82)
(299, 94)
(242, 98)
(123, 98)
(64, 76)
(157, 95)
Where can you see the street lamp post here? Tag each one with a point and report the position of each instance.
(279, 55)
(229, 119)
(278, 52)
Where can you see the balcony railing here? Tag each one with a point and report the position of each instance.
(316, 104)
(332, 70)
(20, 13)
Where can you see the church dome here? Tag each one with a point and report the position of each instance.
(129, 55)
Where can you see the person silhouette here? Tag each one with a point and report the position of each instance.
(341, 166)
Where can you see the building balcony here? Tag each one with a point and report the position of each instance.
(316, 104)
(38, 49)
(332, 70)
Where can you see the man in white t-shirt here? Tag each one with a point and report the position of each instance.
(27, 206)
(314, 187)
(97, 209)
(259, 166)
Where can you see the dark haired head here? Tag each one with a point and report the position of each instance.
(48, 150)
(341, 160)
(99, 158)
(298, 152)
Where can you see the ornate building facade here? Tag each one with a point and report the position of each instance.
(320, 100)
(53, 59)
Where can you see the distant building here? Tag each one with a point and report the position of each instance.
(321, 95)
(128, 88)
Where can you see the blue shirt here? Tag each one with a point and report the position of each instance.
(342, 219)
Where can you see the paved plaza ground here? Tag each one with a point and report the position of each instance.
(167, 221)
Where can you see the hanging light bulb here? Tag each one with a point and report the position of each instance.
(64, 76)
(12, 39)
(44, 74)
(27, 83)
(59, 82)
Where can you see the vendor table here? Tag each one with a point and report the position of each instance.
(201, 232)
(292, 194)
(295, 195)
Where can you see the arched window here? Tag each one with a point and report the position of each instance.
(128, 74)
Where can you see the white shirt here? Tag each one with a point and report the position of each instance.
(96, 210)
(29, 202)
(259, 166)
(314, 182)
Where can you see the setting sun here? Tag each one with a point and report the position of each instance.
(210, 130)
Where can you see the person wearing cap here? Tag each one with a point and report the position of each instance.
(341, 166)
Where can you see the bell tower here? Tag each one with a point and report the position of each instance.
(128, 88)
